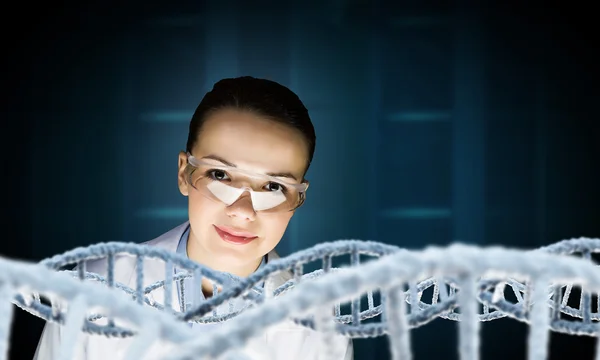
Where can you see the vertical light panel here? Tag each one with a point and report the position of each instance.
(468, 143)
(221, 41)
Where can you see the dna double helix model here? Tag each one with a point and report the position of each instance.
(402, 290)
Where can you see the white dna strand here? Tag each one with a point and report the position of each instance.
(445, 302)
(18, 277)
(110, 252)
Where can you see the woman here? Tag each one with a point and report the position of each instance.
(249, 146)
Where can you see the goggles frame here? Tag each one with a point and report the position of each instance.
(196, 164)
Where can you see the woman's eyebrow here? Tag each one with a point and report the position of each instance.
(219, 159)
(285, 175)
(225, 162)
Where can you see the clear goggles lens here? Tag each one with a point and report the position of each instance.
(227, 184)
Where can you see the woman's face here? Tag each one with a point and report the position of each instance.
(250, 142)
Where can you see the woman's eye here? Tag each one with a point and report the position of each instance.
(218, 174)
(274, 187)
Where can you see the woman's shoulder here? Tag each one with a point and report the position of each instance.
(170, 239)
(124, 265)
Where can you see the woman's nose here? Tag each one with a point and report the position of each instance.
(242, 208)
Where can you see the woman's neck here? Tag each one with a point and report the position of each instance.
(197, 254)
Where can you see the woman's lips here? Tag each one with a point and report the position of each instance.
(234, 236)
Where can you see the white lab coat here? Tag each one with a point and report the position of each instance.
(285, 341)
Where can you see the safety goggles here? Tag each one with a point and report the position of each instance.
(227, 184)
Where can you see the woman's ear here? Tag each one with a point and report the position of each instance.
(181, 174)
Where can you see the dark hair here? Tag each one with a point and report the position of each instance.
(264, 97)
